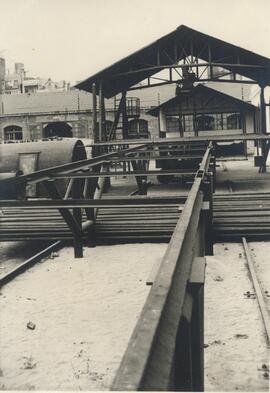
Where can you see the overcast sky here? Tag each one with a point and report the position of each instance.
(72, 39)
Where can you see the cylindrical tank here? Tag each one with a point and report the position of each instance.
(28, 157)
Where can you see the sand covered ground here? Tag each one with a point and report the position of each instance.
(84, 312)
(235, 340)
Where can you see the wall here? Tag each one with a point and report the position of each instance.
(81, 123)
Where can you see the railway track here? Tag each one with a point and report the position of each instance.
(37, 257)
(259, 286)
(29, 262)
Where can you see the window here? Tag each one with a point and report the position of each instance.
(138, 128)
(13, 133)
(205, 123)
(234, 121)
(174, 124)
(188, 123)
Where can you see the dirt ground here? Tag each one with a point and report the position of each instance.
(84, 310)
(235, 340)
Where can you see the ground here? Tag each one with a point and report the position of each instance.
(83, 311)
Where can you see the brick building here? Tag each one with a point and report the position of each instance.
(69, 113)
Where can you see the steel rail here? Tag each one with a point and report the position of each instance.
(153, 359)
(148, 361)
(45, 174)
(29, 263)
(84, 203)
(257, 288)
(184, 140)
(123, 173)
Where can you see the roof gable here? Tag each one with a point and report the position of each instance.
(204, 97)
(172, 48)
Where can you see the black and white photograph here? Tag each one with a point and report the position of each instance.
(134, 195)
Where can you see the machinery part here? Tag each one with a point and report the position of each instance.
(28, 157)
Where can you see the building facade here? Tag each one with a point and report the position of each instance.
(204, 111)
(60, 114)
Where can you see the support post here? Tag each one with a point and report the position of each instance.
(124, 116)
(100, 112)
(94, 110)
(77, 191)
(263, 128)
(68, 217)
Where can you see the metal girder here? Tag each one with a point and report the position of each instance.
(45, 174)
(149, 361)
(86, 175)
(165, 351)
(188, 140)
(84, 203)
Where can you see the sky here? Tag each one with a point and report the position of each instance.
(73, 39)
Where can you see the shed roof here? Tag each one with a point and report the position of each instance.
(174, 43)
(214, 98)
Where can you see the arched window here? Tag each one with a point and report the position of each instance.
(13, 133)
(205, 123)
(58, 129)
(138, 128)
(234, 121)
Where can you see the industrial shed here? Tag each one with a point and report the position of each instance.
(203, 111)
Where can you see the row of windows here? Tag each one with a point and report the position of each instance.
(205, 122)
(137, 128)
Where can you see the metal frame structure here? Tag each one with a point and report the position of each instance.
(82, 194)
(186, 55)
(165, 351)
(181, 275)
(166, 348)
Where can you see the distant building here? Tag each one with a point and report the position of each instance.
(18, 83)
(60, 114)
(43, 111)
(204, 111)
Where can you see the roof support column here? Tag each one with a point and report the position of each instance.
(101, 109)
(124, 115)
(263, 128)
(94, 113)
(262, 111)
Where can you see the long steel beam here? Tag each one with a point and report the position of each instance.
(165, 351)
(184, 140)
(84, 203)
(148, 363)
(45, 174)
(86, 175)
